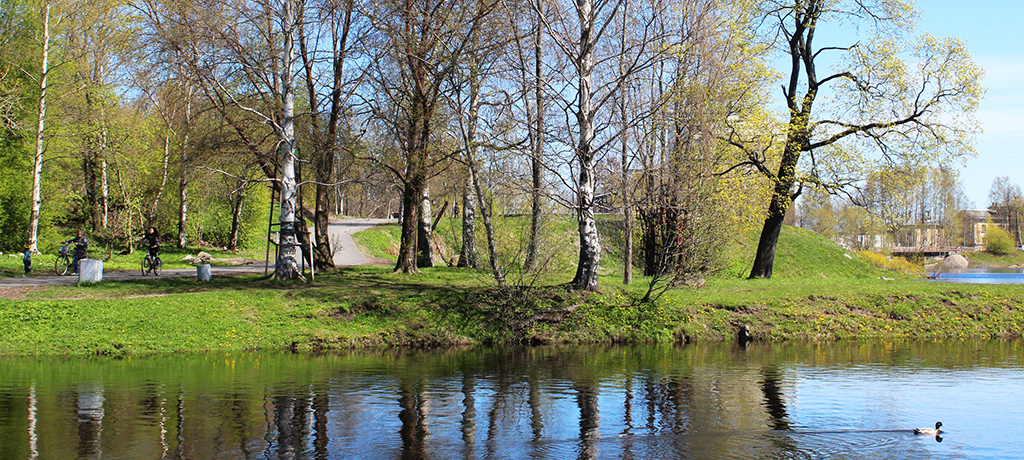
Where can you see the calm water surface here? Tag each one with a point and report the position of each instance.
(845, 400)
(983, 276)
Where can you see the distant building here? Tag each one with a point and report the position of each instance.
(976, 226)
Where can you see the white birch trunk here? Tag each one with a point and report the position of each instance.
(425, 235)
(288, 254)
(183, 194)
(183, 177)
(37, 168)
(105, 190)
(590, 246)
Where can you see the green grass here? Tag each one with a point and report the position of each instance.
(986, 259)
(818, 294)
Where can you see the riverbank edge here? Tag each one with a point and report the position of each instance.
(374, 310)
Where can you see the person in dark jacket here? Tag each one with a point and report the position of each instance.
(81, 249)
(26, 258)
(151, 240)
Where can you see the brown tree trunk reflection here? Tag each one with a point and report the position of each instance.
(412, 415)
(321, 406)
(284, 413)
(469, 416)
(590, 421)
(774, 403)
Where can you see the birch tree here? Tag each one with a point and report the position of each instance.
(37, 165)
(579, 30)
(289, 250)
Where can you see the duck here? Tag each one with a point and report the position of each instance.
(929, 431)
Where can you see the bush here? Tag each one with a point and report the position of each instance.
(896, 264)
(998, 241)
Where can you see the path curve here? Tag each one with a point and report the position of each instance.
(340, 233)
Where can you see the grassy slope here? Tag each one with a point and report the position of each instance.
(985, 259)
(817, 294)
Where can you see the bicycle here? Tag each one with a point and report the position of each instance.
(63, 263)
(153, 264)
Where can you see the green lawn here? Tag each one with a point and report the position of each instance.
(820, 292)
(985, 259)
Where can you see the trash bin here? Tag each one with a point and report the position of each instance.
(203, 272)
(90, 270)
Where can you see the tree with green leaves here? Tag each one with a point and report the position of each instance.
(894, 98)
(1007, 205)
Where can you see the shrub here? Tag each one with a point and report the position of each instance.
(998, 241)
(896, 264)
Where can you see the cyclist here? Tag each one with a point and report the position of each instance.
(152, 242)
(81, 249)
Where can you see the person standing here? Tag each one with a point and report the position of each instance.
(26, 258)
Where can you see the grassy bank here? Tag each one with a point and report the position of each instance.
(820, 292)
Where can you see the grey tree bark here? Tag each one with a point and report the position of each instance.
(467, 255)
(537, 150)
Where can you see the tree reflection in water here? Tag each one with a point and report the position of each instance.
(579, 402)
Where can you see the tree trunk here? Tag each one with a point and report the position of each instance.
(537, 151)
(424, 251)
(782, 198)
(417, 131)
(287, 260)
(488, 228)
(467, 256)
(236, 218)
(105, 189)
(323, 255)
(627, 198)
(183, 194)
(764, 259)
(92, 195)
(627, 227)
(183, 174)
(407, 248)
(37, 166)
(590, 246)
(326, 143)
(129, 207)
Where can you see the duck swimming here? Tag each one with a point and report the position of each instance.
(929, 431)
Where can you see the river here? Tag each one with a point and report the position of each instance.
(856, 400)
(982, 276)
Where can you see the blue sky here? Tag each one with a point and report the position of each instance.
(994, 32)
